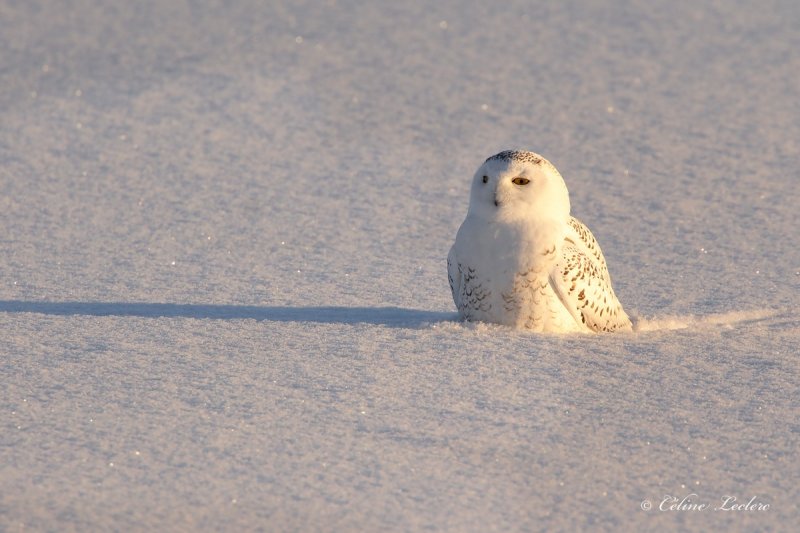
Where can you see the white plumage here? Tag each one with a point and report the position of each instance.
(521, 260)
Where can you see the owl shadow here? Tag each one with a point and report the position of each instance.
(395, 317)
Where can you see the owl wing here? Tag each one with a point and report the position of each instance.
(581, 280)
(453, 275)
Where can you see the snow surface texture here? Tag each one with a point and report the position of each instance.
(223, 296)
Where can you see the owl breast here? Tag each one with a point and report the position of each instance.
(497, 277)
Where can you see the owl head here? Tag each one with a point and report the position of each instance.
(519, 185)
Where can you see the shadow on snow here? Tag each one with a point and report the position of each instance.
(382, 316)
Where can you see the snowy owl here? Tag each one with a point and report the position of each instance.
(521, 260)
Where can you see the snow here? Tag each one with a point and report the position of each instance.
(223, 297)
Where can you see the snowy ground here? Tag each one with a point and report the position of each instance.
(223, 298)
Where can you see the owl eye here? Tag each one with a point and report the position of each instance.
(520, 181)
(485, 179)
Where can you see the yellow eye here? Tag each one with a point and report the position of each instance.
(520, 181)
(486, 179)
